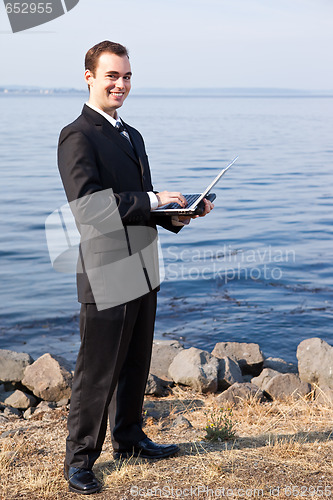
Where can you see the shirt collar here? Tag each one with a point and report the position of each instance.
(109, 118)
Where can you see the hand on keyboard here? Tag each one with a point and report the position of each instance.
(166, 197)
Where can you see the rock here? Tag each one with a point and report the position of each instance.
(149, 410)
(237, 393)
(181, 422)
(324, 395)
(20, 400)
(62, 402)
(152, 414)
(265, 376)
(229, 373)
(195, 368)
(3, 419)
(164, 352)
(149, 404)
(247, 355)
(280, 365)
(13, 364)
(12, 412)
(155, 386)
(285, 385)
(315, 362)
(4, 396)
(28, 413)
(12, 433)
(46, 406)
(48, 378)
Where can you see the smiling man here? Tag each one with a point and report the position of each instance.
(98, 153)
(109, 82)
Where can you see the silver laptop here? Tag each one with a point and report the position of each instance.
(195, 204)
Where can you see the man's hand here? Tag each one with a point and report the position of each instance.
(166, 197)
(208, 208)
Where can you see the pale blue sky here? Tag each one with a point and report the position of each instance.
(181, 43)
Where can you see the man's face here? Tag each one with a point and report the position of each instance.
(111, 83)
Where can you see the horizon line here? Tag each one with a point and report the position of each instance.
(147, 89)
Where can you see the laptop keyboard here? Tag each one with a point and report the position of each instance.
(190, 198)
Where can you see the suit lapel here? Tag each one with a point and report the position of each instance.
(138, 149)
(109, 131)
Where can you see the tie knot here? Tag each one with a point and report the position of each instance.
(122, 131)
(120, 127)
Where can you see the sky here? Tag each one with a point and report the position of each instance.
(181, 44)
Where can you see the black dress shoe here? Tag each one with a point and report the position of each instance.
(81, 480)
(146, 448)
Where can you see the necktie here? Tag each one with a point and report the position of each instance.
(122, 131)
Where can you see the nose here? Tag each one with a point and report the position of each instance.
(120, 83)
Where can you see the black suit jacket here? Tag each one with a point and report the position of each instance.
(94, 157)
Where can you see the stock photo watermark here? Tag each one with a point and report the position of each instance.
(87, 236)
(24, 15)
(122, 263)
(198, 491)
(226, 264)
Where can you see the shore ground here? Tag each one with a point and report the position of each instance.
(280, 449)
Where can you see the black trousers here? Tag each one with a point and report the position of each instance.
(110, 378)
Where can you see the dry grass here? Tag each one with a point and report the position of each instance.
(278, 444)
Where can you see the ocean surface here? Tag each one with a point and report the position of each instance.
(257, 269)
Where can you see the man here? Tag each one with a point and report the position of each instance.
(99, 154)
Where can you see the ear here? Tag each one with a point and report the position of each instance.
(88, 76)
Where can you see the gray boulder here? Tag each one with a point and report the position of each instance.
(248, 355)
(280, 365)
(238, 393)
(264, 378)
(229, 373)
(195, 368)
(164, 352)
(21, 400)
(315, 362)
(155, 386)
(181, 422)
(13, 364)
(49, 378)
(324, 395)
(285, 385)
(12, 412)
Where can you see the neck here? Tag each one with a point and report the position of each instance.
(113, 113)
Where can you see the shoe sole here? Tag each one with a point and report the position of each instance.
(90, 492)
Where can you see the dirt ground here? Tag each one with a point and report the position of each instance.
(280, 449)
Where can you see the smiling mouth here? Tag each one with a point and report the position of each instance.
(117, 94)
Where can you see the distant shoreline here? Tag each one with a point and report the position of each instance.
(165, 92)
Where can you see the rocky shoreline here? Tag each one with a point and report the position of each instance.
(233, 372)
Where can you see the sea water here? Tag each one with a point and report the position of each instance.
(257, 269)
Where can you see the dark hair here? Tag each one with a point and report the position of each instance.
(93, 54)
